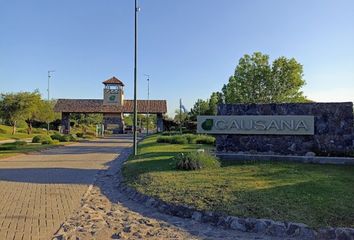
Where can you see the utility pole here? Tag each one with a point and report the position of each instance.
(49, 76)
(148, 110)
(135, 146)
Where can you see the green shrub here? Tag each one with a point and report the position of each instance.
(80, 135)
(64, 138)
(179, 139)
(204, 139)
(37, 139)
(3, 131)
(56, 136)
(47, 141)
(196, 161)
(164, 139)
(20, 143)
(40, 138)
(8, 146)
(190, 137)
(72, 138)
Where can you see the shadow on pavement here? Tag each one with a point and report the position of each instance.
(48, 175)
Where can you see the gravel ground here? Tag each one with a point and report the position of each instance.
(106, 213)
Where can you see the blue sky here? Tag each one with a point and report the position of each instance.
(189, 47)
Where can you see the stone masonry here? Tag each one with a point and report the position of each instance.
(333, 130)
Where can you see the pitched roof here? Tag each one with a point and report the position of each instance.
(113, 80)
(96, 106)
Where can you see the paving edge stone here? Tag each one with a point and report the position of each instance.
(252, 225)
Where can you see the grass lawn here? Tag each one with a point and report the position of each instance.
(11, 149)
(318, 195)
(21, 133)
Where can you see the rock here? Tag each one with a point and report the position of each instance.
(300, 230)
(310, 154)
(344, 234)
(238, 224)
(260, 226)
(277, 229)
(197, 216)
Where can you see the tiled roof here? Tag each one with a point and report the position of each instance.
(113, 80)
(96, 106)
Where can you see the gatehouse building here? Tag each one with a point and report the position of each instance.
(113, 106)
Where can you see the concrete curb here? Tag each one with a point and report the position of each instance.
(262, 226)
(285, 158)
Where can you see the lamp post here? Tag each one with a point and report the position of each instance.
(148, 103)
(135, 122)
(49, 76)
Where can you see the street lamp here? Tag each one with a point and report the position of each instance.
(148, 103)
(135, 122)
(49, 76)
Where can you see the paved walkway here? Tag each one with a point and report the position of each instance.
(40, 190)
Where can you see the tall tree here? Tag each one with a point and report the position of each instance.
(256, 81)
(18, 106)
(200, 107)
(46, 112)
(215, 99)
(33, 105)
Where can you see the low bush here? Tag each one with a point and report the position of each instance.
(37, 139)
(8, 146)
(170, 133)
(56, 136)
(190, 137)
(179, 139)
(47, 142)
(41, 138)
(205, 139)
(3, 131)
(64, 138)
(196, 161)
(80, 135)
(20, 143)
(186, 138)
(164, 139)
(72, 138)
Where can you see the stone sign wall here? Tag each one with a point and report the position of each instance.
(333, 129)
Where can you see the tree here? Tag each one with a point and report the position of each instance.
(256, 81)
(180, 117)
(86, 120)
(46, 112)
(33, 105)
(201, 107)
(16, 106)
(216, 98)
(206, 107)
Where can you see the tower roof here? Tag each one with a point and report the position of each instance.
(113, 80)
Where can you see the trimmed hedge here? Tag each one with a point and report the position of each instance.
(41, 138)
(64, 138)
(187, 138)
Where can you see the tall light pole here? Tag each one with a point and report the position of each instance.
(49, 76)
(135, 146)
(148, 103)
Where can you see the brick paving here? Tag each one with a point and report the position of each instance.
(38, 191)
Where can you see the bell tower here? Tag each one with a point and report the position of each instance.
(113, 93)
